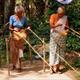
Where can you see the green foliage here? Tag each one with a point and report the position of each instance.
(2, 51)
(53, 5)
(2, 44)
(41, 28)
(73, 43)
(77, 62)
(73, 11)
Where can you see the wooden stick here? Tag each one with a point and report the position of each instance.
(44, 66)
(30, 53)
(0, 60)
(7, 55)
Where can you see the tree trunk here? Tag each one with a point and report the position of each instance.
(1, 12)
(40, 7)
(8, 9)
(25, 4)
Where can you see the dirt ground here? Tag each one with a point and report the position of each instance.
(35, 72)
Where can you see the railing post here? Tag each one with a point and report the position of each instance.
(0, 61)
(30, 52)
(7, 55)
(44, 66)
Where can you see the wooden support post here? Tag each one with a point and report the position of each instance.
(44, 55)
(30, 52)
(7, 55)
(0, 61)
(0, 58)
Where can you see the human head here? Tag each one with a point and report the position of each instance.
(19, 10)
(61, 10)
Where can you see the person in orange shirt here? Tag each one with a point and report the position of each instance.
(58, 33)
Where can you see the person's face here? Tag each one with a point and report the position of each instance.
(60, 12)
(20, 13)
(61, 15)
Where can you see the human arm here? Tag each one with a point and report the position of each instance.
(11, 24)
(65, 32)
(52, 21)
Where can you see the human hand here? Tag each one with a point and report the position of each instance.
(51, 30)
(64, 33)
(16, 29)
(58, 25)
(28, 27)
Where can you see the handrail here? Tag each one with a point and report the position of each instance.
(6, 24)
(48, 63)
(74, 31)
(45, 43)
(44, 59)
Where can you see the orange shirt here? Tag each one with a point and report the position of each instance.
(53, 20)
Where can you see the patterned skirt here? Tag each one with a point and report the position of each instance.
(57, 48)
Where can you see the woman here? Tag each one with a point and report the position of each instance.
(59, 30)
(18, 23)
